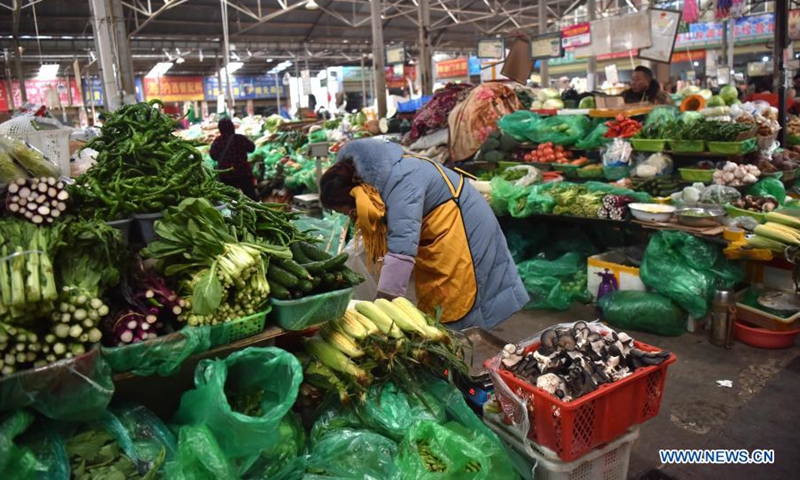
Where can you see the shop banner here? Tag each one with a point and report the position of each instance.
(4, 96)
(93, 90)
(699, 34)
(37, 91)
(577, 35)
(457, 67)
(754, 27)
(690, 56)
(794, 24)
(397, 78)
(614, 56)
(245, 88)
(174, 89)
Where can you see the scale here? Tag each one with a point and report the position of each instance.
(477, 386)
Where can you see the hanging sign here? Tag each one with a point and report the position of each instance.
(612, 76)
(794, 24)
(663, 28)
(395, 54)
(577, 35)
(492, 48)
(689, 56)
(174, 89)
(457, 67)
(546, 46)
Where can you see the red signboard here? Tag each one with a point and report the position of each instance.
(174, 89)
(690, 56)
(458, 67)
(38, 90)
(577, 35)
(399, 81)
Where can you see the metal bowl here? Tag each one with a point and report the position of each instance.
(700, 216)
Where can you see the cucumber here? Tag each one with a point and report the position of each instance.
(297, 253)
(313, 253)
(331, 263)
(278, 275)
(328, 280)
(305, 286)
(278, 291)
(292, 267)
(351, 277)
(316, 281)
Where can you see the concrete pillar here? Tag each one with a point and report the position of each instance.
(123, 52)
(17, 52)
(378, 59)
(543, 67)
(425, 60)
(363, 75)
(591, 67)
(104, 40)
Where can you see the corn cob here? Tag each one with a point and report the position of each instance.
(783, 228)
(340, 341)
(406, 323)
(783, 219)
(757, 241)
(776, 234)
(334, 359)
(368, 324)
(349, 325)
(384, 323)
(413, 313)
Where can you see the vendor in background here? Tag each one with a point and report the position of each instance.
(645, 88)
(230, 151)
(794, 99)
(762, 90)
(417, 216)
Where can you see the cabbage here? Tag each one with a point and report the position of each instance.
(691, 117)
(536, 105)
(690, 90)
(715, 101)
(706, 94)
(553, 104)
(729, 93)
(546, 94)
(587, 102)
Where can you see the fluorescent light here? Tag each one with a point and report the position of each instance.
(232, 67)
(179, 60)
(696, 64)
(48, 72)
(311, 5)
(159, 70)
(765, 59)
(270, 60)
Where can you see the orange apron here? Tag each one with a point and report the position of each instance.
(444, 272)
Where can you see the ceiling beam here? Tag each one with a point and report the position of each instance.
(155, 15)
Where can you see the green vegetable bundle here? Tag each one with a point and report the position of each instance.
(310, 271)
(221, 270)
(577, 201)
(143, 168)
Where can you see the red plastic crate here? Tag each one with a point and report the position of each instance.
(572, 429)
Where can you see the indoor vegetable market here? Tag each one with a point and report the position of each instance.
(399, 240)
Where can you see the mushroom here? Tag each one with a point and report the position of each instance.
(550, 382)
(510, 357)
(566, 341)
(548, 340)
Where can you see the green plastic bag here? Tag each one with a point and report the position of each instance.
(76, 389)
(521, 125)
(538, 201)
(524, 242)
(505, 196)
(561, 130)
(612, 190)
(554, 284)
(331, 231)
(457, 448)
(141, 434)
(162, 355)
(352, 454)
(285, 458)
(687, 270)
(199, 457)
(768, 187)
(16, 461)
(662, 114)
(642, 311)
(242, 437)
(595, 139)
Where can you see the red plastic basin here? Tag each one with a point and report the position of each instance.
(763, 338)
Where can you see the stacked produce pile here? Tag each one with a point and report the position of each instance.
(780, 233)
(143, 168)
(376, 343)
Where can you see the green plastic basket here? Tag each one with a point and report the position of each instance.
(227, 332)
(696, 175)
(569, 171)
(615, 173)
(732, 148)
(312, 310)
(687, 146)
(734, 212)
(648, 145)
(590, 173)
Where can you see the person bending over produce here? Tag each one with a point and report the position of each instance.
(423, 218)
(230, 151)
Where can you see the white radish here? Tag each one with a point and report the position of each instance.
(62, 195)
(44, 210)
(13, 188)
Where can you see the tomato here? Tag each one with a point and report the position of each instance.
(620, 118)
(548, 151)
(549, 158)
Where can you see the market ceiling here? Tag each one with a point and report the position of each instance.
(337, 32)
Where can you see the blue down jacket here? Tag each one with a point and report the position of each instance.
(411, 188)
